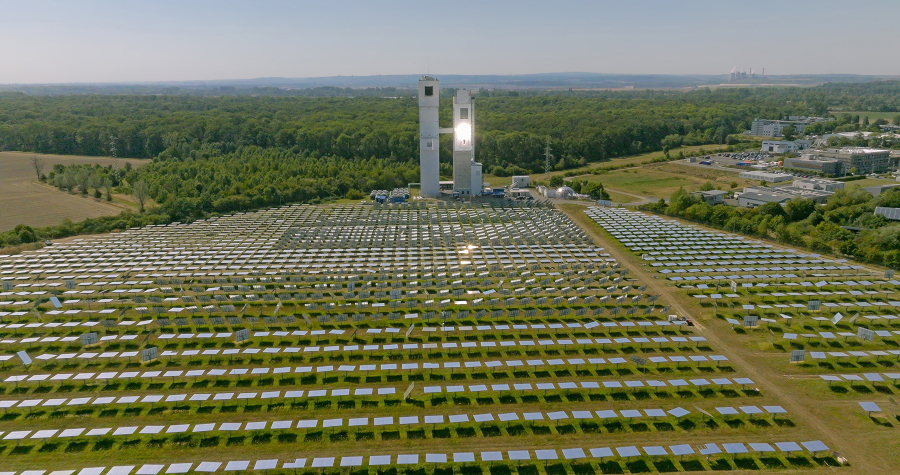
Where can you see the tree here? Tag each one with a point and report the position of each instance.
(771, 209)
(141, 192)
(734, 185)
(38, 164)
(107, 186)
(896, 120)
(556, 181)
(679, 201)
(25, 233)
(798, 209)
(708, 186)
(789, 132)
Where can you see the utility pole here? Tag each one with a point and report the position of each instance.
(547, 156)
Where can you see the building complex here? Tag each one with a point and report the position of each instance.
(775, 128)
(844, 160)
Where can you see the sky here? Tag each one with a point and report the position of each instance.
(102, 41)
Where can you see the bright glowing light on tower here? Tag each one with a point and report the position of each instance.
(464, 132)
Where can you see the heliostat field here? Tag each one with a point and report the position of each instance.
(427, 337)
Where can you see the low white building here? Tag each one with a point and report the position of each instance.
(752, 199)
(785, 146)
(818, 184)
(712, 197)
(521, 181)
(768, 177)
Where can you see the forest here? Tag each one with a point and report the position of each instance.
(218, 154)
(845, 225)
(511, 133)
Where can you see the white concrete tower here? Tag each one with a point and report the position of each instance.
(429, 154)
(463, 147)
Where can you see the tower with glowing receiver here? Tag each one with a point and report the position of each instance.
(467, 178)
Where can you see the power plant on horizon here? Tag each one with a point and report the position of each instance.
(736, 75)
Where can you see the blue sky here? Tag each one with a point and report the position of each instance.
(43, 41)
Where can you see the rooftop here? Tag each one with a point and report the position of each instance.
(767, 197)
(860, 150)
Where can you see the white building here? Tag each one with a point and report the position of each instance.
(712, 197)
(768, 177)
(775, 128)
(818, 184)
(521, 181)
(784, 146)
(752, 199)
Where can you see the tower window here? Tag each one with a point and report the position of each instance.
(464, 113)
(429, 90)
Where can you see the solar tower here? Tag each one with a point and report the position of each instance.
(429, 169)
(467, 174)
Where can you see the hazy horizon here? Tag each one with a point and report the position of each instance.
(102, 41)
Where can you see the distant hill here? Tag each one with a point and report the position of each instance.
(403, 84)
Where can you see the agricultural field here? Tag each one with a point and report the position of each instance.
(436, 337)
(25, 200)
(818, 330)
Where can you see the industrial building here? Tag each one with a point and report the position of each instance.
(757, 195)
(775, 128)
(768, 177)
(467, 173)
(784, 146)
(752, 199)
(814, 165)
(521, 181)
(712, 197)
(863, 159)
(840, 161)
(518, 193)
(817, 184)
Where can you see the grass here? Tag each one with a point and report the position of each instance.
(661, 180)
(621, 198)
(871, 182)
(27, 201)
(629, 161)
